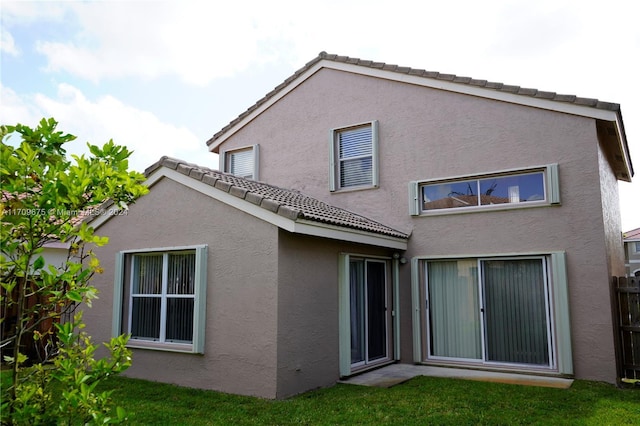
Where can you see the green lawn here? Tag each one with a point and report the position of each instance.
(423, 400)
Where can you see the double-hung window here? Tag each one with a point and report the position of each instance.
(514, 188)
(241, 162)
(354, 157)
(160, 298)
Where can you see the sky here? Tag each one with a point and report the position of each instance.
(161, 77)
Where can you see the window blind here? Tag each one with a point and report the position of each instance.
(355, 150)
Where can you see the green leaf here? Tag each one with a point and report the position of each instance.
(122, 414)
(74, 296)
(39, 263)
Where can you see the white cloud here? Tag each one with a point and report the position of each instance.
(97, 121)
(20, 12)
(16, 108)
(197, 41)
(7, 44)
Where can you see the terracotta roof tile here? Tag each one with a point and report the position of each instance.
(287, 203)
(634, 234)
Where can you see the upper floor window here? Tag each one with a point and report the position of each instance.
(354, 157)
(636, 247)
(241, 162)
(497, 190)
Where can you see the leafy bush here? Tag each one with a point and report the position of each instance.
(46, 198)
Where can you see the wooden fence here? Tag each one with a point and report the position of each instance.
(625, 293)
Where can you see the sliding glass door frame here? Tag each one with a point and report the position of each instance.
(481, 301)
(391, 313)
(366, 335)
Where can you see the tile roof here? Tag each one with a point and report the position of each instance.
(499, 87)
(634, 234)
(288, 203)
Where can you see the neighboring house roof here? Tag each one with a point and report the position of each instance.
(608, 114)
(633, 235)
(297, 210)
(461, 200)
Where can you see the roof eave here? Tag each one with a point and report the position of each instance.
(569, 104)
(284, 218)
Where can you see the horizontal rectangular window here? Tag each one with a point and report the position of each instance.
(503, 189)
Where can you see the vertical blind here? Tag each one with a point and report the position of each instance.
(515, 308)
(454, 313)
(163, 297)
(146, 295)
(368, 310)
(357, 310)
(514, 301)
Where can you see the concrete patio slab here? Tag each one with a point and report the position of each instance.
(394, 374)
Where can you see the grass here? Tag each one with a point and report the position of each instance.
(422, 400)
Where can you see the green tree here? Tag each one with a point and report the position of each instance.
(47, 197)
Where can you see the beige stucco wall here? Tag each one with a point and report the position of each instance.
(308, 352)
(241, 330)
(431, 134)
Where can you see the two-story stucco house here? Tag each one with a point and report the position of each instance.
(365, 214)
(631, 241)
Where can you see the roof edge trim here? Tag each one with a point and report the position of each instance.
(287, 223)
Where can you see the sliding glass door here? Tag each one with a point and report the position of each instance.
(489, 310)
(368, 311)
(515, 306)
(454, 313)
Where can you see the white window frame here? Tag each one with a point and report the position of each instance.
(335, 160)
(551, 189)
(199, 311)
(226, 163)
(558, 301)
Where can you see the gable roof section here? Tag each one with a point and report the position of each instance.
(633, 235)
(608, 114)
(287, 209)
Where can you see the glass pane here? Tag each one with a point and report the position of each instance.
(179, 320)
(145, 318)
(356, 308)
(515, 311)
(356, 172)
(355, 142)
(512, 189)
(181, 275)
(450, 195)
(454, 314)
(147, 277)
(241, 163)
(376, 311)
